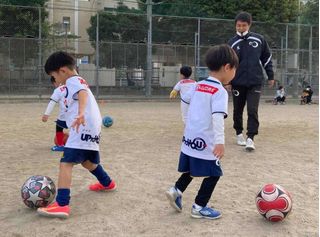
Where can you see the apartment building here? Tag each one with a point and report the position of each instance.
(71, 19)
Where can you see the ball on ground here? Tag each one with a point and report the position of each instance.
(273, 202)
(38, 191)
(107, 121)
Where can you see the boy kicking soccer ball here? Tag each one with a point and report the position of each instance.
(203, 141)
(58, 96)
(84, 120)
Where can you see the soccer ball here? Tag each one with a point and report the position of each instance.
(38, 191)
(273, 202)
(65, 138)
(107, 121)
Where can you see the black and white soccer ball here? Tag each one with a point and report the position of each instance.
(38, 191)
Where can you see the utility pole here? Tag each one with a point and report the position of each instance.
(149, 50)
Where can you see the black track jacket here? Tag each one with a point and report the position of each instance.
(254, 54)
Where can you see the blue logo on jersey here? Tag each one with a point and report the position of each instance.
(196, 144)
(89, 138)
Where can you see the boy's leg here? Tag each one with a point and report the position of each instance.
(200, 209)
(61, 207)
(183, 182)
(105, 182)
(206, 190)
(59, 135)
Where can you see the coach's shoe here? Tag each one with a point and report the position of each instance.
(204, 212)
(250, 145)
(57, 148)
(99, 187)
(54, 210)
(240, 140)
(174, 195)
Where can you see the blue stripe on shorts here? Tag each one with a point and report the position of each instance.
(78, 156)
(199, 167)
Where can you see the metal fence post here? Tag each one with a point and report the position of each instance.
(149, 49)
(40, 55)
(97, 57)
(310, 56)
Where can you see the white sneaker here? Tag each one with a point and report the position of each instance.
(250, 145)
(240, 140)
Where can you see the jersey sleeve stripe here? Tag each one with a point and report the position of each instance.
(53, 100)
(225, 114)
(184, 101)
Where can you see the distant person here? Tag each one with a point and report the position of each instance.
(183, 86)
(306, 97)
(203, 140)
(58, 96)
(280, 97)
(254, 54)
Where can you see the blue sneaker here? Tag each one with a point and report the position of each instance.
(204, 212)
(57, 148)
(174, 195)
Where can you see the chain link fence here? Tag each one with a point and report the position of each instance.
(111, 50)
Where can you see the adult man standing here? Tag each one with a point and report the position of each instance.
(254, 55)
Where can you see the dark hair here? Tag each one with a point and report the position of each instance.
(280, 87)
(58, 60)
(52, 79)
(186, 71)
(244, 16)
(221, 55)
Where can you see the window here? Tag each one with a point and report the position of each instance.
(66, 23)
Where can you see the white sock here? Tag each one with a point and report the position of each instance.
(197, 207)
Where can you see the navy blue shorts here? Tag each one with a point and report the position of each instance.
(199, 167)
(78, 156)
(62, 124)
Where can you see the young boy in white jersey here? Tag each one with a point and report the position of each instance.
(58, 96)
(183, 86)
(84, 120)
(203, 141)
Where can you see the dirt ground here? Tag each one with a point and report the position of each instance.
(140, 151)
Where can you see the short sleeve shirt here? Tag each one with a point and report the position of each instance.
(208, 97)
(88, 137)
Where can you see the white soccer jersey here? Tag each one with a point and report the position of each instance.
(184, 86)
(58, 96)
(88, 137)
(206, 98)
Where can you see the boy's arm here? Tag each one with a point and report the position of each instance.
(48, 111)
(218, 129)
(176, 89)
(80, 120)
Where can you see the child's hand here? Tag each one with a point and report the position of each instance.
(173, 94)
(45, 118)
(78, 121)
(218, 150)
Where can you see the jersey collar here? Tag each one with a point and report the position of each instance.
(214, 80)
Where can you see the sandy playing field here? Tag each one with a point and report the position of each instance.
(140, 151)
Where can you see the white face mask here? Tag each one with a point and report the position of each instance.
(242, 34)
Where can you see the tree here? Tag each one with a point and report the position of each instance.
(19, 21)
(123, 26)
(310, 12)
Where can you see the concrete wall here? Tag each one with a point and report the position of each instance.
(107, 77)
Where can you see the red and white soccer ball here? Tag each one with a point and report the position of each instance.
(273, 202)
(38, 191)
